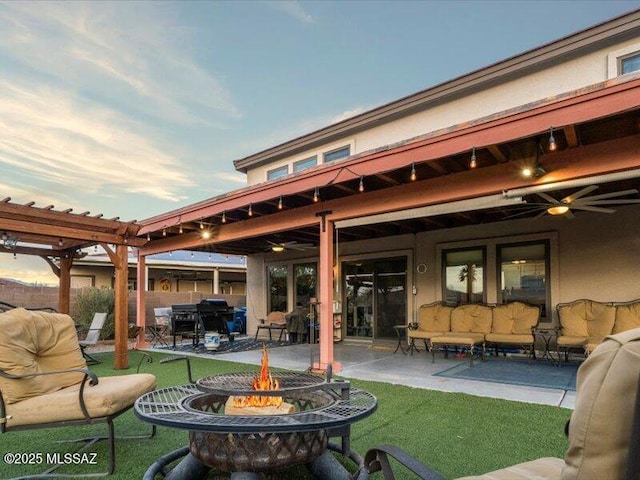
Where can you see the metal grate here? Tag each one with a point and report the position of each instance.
(240, 383)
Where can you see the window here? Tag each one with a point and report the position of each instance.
(524, 274)
(337, 154)
(463, 276)
(630, 63)
(278, 172)
(304, 164)
(305, 275)
(277, 288)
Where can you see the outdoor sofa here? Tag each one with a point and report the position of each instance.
(585, 323)
(476, 326)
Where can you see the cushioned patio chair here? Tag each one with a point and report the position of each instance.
(603, 433)
(91, 336)
(44, 380)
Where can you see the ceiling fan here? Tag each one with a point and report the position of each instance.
(580, 200)
(282, 246)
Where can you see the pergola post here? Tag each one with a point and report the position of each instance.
(121, 310)
(325, 283)
(141, 297)
(64, 290)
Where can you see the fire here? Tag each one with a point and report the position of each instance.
(264, 382)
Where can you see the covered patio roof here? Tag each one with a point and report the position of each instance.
(597, 131)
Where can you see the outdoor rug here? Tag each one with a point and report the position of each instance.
(517, 372)
(238, 345)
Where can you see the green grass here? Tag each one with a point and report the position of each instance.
(455, 434)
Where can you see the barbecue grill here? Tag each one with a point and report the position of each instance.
(197, 318)
(247, 445)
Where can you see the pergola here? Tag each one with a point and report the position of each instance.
(58, 237)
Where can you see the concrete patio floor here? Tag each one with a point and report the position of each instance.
(364, 362)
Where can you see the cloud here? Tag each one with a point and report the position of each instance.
(293, 9)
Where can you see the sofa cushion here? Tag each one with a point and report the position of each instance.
(510, 338)
(516, 317)
(571, 341)
(458, 339)
(35, 342)
(587, 318)
(109, 396)
(601, 422)
(471, 318)
(434, 317)
(627, 317)
(547, 468)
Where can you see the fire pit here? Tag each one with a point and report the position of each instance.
(253, 443)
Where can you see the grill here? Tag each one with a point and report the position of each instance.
(197, 318)
(256, 443)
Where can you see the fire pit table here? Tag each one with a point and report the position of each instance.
(247, 445)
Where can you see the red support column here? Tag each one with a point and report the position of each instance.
(325, 284)
(141, 303)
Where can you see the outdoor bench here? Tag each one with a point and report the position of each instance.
(476, 325)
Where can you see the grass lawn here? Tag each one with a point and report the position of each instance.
(455, 434)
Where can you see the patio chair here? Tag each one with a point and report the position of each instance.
(603, 433)
(91, 336)
(160, 327)
(45, 383)
(274, 321)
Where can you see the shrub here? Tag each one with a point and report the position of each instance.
(93, 300)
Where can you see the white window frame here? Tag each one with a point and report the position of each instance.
(333, 150)
(304, 160)
(614, 60)
(284, 168)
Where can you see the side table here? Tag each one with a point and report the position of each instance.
(401, 331)
(547, 335)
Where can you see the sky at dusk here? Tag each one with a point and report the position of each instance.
(132, 109)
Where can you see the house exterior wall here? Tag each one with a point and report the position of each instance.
(548, 81)
(583, 252)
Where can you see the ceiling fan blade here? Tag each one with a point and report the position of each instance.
(526, 212)
(612, 194)
(580, 193)
(548, 198)
(608, 202)
(593, 209)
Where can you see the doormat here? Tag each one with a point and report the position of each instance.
(238, 345)
(533, 373)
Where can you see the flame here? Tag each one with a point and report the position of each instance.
(264, 382)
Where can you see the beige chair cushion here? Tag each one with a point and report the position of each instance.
(434, 317)
(34, 342)
(568, 341)
(458, 339)
(471, 318)
(547, 468)
(278, 318)
(512, 339)
(109, 396)
(517, 318)
(627, 317)
(601, 422)
(586, 318)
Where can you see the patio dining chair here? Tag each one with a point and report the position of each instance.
(91, 337)
(605, 409)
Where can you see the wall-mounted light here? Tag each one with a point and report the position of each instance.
(316, 195)
(473, 162)
(413, 172)
(558, 210)
(552, 141)
(280, 203)
(361, 186)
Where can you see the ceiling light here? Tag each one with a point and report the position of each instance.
(224, 216)
(201, 226)
(536, 171)
(473, 163)
(250, 212)
(552, 141)
(206, 235)
(164, 232)
(280, 203)
(60, 242)
(413, 172)
(148, 237)
(180, 230)
(558, 210)
(316, 195)
(361, 186)
(277, 248)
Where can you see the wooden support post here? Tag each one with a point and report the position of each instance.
(141, 305)
(325, 283)
(121, 310)
(64, 291)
